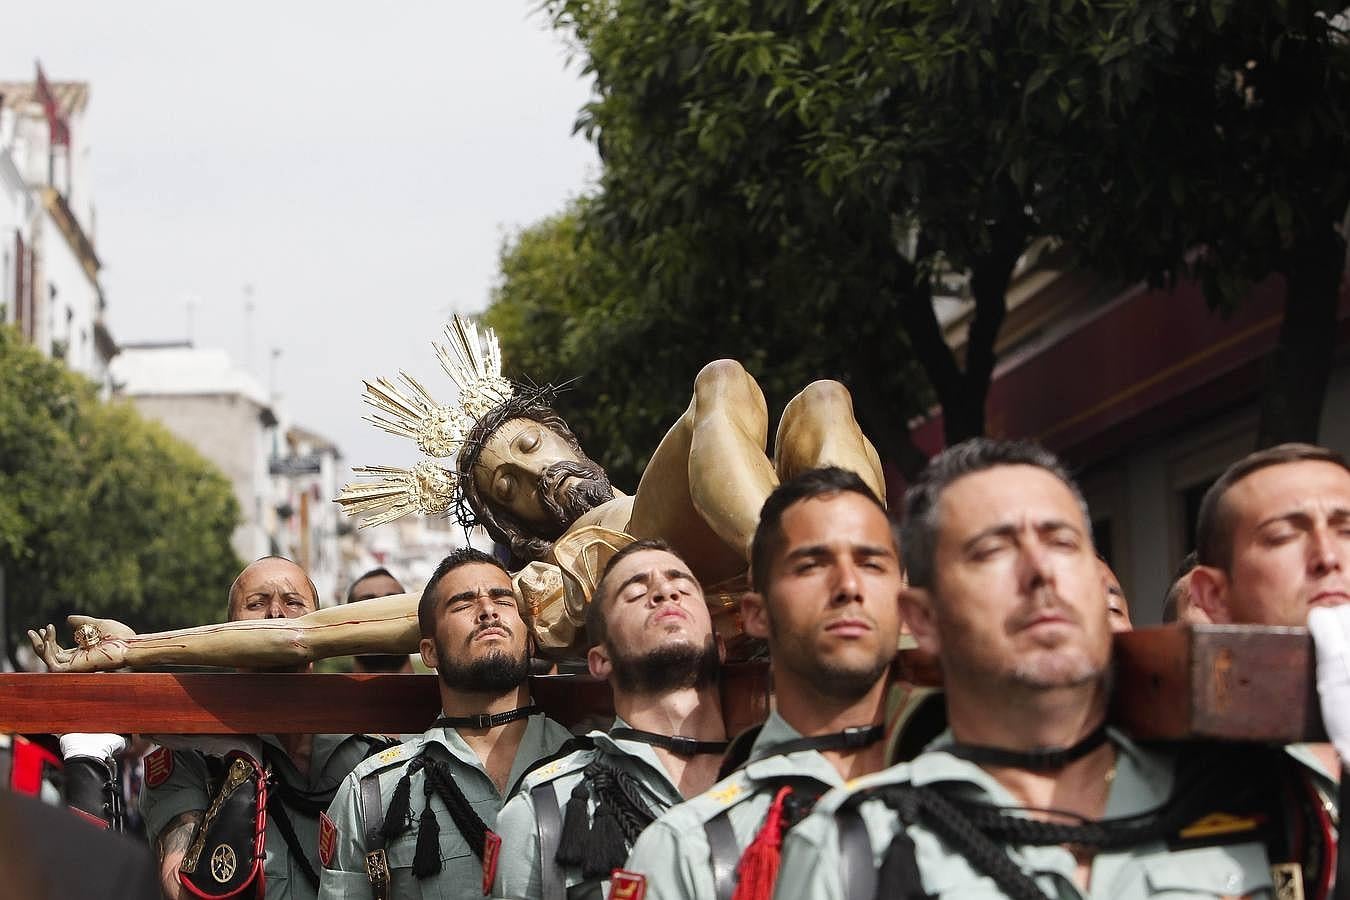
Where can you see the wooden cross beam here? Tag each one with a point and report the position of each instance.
(252, 703)
(1192, 682)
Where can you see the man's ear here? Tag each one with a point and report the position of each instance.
(721, 647)
(427, 648)
(1209, 590)
(598, 662)
(916, 607)
(754, 616)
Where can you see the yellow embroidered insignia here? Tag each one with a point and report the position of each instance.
(727, 794)
(625, 885)
(1219, 823)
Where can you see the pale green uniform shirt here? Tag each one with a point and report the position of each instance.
(333, 756)
(811, 865)
(518, 873)
(673, 853)
(461, 874)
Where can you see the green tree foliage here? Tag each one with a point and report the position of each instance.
(102, 512)
(789, 182)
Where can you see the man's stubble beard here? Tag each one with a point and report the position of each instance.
(845, 683)
(1044, 668)
(670, 668)
(494, 673)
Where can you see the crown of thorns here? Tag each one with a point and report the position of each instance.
(473, 360)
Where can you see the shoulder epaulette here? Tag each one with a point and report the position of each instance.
(541, 770)
(738, 753)
(383, 759)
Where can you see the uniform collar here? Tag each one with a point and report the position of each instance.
(807, 763)
(321, 751)
(637, 750)
(1143, 778)
(530, 749)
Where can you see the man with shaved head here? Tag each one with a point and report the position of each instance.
(181, 784)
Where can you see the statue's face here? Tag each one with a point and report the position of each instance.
(533, 476)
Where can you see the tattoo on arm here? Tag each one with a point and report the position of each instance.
(176, 836)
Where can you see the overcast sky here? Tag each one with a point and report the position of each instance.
(356, 164)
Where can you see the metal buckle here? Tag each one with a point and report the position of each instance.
(856, 736)
(685, 746)
(377, 869)
(480, 720)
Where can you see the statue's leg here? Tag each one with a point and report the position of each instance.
(705, 484)
(818, 429)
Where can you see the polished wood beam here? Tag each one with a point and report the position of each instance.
(1206, 682)
(250, 703)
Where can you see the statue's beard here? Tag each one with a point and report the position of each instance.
(567, 503)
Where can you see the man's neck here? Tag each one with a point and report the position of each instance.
(494, 747)
(1026, 720)
(456, 702)
(694, 712)
(300, 748)
(813, 713)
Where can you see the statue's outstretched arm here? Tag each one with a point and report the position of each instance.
(381, 625)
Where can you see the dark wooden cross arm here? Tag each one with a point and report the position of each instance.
(1195, 682)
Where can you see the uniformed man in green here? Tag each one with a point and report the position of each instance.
(179, 784)
(826, 574)
(1029, 794)
(417, 820)
(574, 819)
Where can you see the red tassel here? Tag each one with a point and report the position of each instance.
(758, 868)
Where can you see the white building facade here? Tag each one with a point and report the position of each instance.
(49, 284)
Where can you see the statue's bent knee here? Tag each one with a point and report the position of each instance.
(721, 376)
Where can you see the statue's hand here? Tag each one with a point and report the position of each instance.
(101, 645)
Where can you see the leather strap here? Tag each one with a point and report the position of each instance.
(857, 873)
(675, 743)
(372, 823)
(483, 720)
(548, 819)
(1045, 759)
(723, 854)
(854, 738)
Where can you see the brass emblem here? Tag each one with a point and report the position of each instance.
(240, 772)
(1288, 881)
(377, 870)
(222, 863)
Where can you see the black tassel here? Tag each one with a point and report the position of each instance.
(576, 829)
(427, 857)
(606, 850)
(396, 819)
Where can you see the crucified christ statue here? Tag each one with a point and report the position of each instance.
(521, 473)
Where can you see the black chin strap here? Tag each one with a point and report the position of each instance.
(1044, 759)
(483, 720)
(854, 738)
(675, 743)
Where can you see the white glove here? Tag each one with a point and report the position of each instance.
(1330, 627)
(94, 746)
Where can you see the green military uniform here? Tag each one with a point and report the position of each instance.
(519, 874)
(332, 757)
(676, 854)
(344, 874)
(1216, 864)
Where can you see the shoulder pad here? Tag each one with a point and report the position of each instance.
(399, 754)
(556, 764)
(738, 751)
(720, 797)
